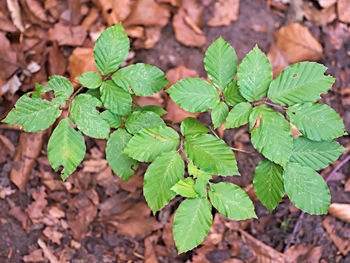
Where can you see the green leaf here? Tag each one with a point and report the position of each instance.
(114, 120)
(34, 114)
(254, 75)
(190, 126)
(231, 201)
(163, 173)
(62, 87)
(184, 188)
(192, 223)
(196, 173)
(271, 134)
(66, 148)
(115, 99)
(94, 93)
(232, 95)
(111, 49)
(211, 154)
(306, 189)
(90, 80)
(87, 118)
(121, 164)
(194, 95)
(268, 183)
(316, 155)
(318, 122)
(202, 179)
(139, 120)
(156, 109)
(143, 79)
(220, 62)
(298, 83)
(239, 115)
(151, 142)
(219, 114)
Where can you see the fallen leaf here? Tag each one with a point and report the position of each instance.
(6, 191)
(225, 12)
(148, 13)
(90, 19)
(135, 32)
(18, 213)
(319, 17)
(294, 252)
(37, 9)
(6, 148)
(8, 59)
(52, 234)
(341, 211)
(326, 3)
(337, 34)
(5, 24)
(338, 234)
(314, 255)
(297, 43)
(15, 11)
(57, 61)
(152, 36)
(186, 23)
(35, 209)
(344, 10)
(277, 59)
(28, 150)
(67, 36)
(175, 113)
(114, 11)
(47, 252)
(295, 131)
(150, 255)
(34, 256)
(80, 61)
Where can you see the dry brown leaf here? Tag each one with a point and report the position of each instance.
(37, 9)
(47, 252)
(326, 3)
(314, 255)
(319, 17)
(334, 230)
(15, 11)
(8, 59)
(175, 113)
(18, 213)
(6, 148)
(148, 13)
(35, 209)
(185, 32)
(81, 60)
(347, 185)
(150, 255)
(57, 61)
(5, 23)
(295, 131)
(297, 43)
(135, 31)
(294, 252)
(344, 10)
(217, 231)
(152, 36)
(34, 256)
(337, 34)
(233, 260)
(66, 35)
(28, 150)
(52, 234)
(277, 59)
(114, 11)
(341, 211)
(225, 12)
(90, 19)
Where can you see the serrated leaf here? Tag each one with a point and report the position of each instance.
(185, 188)
(192, 223)
(121, 164)
(306, 189)
(115, 99)
(232, 95)
(90, 80)
(62, 88)
(87, 118)
(239, 115)
(220, 62)
(316, 155)
(139, 120)
(211, 154)
(114, 120)
(318, 122)
(219, 114)
(94, 93)
(149, 143)
(268, 183)
(156, 109)
(231, 201)
(33, 114)
(190, 126)
(300, 82)
(163, 173)
(194, 95)
(254, 75)
(111, 49)
(143, 79)
(66, 148)
(196, 173)
(271, 134)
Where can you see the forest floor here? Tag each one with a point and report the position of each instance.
(95, 216)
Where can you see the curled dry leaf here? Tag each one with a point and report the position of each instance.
(187, 22)
(135, 31)
(225, 12)
(67, 36)
(28, 150)
(297, 43)
(341, 211)
(344, 10)
(15, 11)
(37, 9)
(47, 251)
(320, 17)
(295, 131)
(80, 61)
(175, 113)
(152, 36)
(338, 234)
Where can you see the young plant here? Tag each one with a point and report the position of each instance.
(140, 135)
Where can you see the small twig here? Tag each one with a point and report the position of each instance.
(297, 224)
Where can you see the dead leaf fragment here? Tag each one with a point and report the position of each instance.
(47, 252)
(297, 43)
(344, 10)
(334, 230)
(8, 59)
(326, 3)
(15, 12)
(37, 9)
(152, 36)
(320, 17)
(53, 235)
(225, 12)
(57, 61)
(80, 61)
(277, 59)
(34, 256)
(35, 209)
(341, 211)
(295, 131)
(150, 255)
(67, 36)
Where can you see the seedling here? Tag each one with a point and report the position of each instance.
(140, 135)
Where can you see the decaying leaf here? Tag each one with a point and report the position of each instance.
(277, 59)
(35, 209)
(344, 10)
(326, 3)
(81, 60)
(67, 36)
(297, 43)
(320, 17)
(338, 234)
(225, 12)
(47, 251)
(15, 12)
(8, 59)
(34, 256)
(341, 211)
(114, 11)
(150, 255)
(152, 36)
(37, 9)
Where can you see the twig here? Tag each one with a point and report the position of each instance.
(297, 224)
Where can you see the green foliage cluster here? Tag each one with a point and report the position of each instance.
(184, 163)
